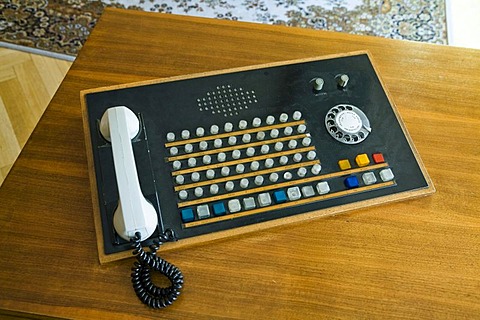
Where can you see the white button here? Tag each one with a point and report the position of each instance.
(283, 160)
(214, 129)
(200, 132)
(386, 175)
(236, 154)
(256, 122)
(273, 177)
(301, 128)
(185, 134)
(234, 205)
(170, 136)
(274, 133)
(254, 165)
(297, 115)
(177, 165)
(265, 149)
(323, 187)
(198, 192)
(260, 135)
(203, 145)
(369, 178)
(210, 174)
(217, 143)
(308, 191)
(269, 163)
(192, 162)
(264, 199)
(259, 180)
(297, 157)
(249, 203)
(203, 211)
(188, 148)
(229, 186)
(316, 169)
(225, 171)
(240, 168)
(302, 172)
(292, 144)
(306, 141)
(250, 151)
(288, 131)
(293, 193)
(179, 179)
(228, 127)
(278, 146)
(270, 120)
(206, 159)
(287, 175)
(283, 117)
(195, 176)
(232, 141)
(311, 155)
(221, 157)
(214, 189)
(173, 151)
(242, 124)
(183, 194)
(246, 138)
(244, 183)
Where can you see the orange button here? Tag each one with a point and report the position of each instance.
(378, 158)
(362, 160)
(344, 164)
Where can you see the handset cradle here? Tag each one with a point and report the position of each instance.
(134, 214)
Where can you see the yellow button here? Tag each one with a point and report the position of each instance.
(362, 160)
(344, 164)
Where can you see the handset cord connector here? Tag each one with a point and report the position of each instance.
(151, 295)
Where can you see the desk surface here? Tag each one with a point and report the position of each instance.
(413, 259)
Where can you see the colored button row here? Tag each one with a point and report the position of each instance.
(362, 160)
(369, 178)
(260, 200)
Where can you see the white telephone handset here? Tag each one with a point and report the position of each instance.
(134, 213)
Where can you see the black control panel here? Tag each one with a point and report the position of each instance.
(238, 148)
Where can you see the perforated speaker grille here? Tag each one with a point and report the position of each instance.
(226, 100)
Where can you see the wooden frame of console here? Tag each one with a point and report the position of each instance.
(104, 258)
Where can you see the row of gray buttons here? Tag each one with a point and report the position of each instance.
(243, 124)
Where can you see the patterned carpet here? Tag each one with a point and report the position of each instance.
(62, 26)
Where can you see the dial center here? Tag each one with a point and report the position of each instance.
(348, 121)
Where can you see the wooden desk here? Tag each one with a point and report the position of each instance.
(414, 259)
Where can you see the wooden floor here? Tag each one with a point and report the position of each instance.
(27, 84)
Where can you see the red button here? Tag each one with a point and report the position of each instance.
(378, 158)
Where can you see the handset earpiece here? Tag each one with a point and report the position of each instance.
(134, 213)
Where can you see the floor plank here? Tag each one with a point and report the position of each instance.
(27, 84)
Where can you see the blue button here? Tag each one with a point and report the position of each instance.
(279, 196)
(187, 215)
(219, 209)
(351, 182)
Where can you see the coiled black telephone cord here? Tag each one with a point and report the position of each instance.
(151, 295)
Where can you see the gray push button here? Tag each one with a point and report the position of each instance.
(264, 199)
(203, 211)
(234, 205)
(293, 193)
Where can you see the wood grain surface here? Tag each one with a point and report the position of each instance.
(413, 259)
